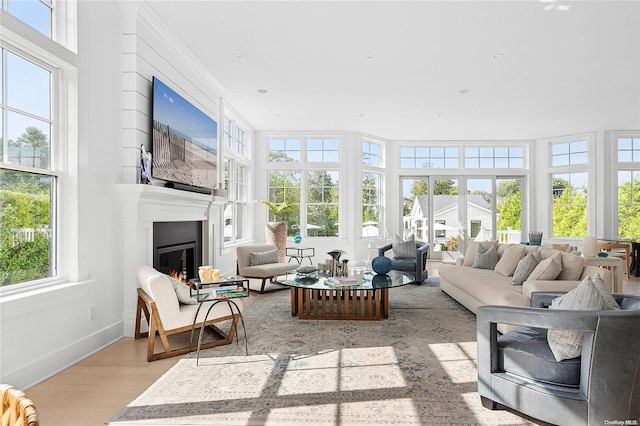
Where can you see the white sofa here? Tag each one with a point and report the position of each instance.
(166, 316)
(473, 287)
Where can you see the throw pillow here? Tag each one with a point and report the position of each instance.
(566, 344)
(263, 257)
(402, 248)
(547, 269)
(572, 266)
(486, 258)
(507, 264)
(609, 300)
(182, 292)
(472, 246)
(525, 267)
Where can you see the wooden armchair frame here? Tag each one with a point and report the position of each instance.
(147, 306)
(17, 409)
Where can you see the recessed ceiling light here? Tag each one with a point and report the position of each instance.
(239, 56)
(496, 56)
(464, 91)
(263, 91)
(370, 56)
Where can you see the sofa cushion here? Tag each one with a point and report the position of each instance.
(472, 246)
(572, 266)
(486, 258)
(525, 352)
(525, 267)
(263, 257)
(404, 248)
(547, 269)
(509, 259)
(587, 296)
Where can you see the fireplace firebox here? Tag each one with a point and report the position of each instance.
(177, 248)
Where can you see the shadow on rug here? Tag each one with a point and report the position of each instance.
(418, 367)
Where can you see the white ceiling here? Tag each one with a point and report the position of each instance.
(561, 71)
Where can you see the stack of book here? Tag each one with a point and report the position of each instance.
(228, 292)
(341, 281)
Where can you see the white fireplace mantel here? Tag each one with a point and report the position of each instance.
(142, 205)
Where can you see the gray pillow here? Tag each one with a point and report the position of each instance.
(525, 267)
(263, 257)
(402, 248)
(486, 258)
(182, 292)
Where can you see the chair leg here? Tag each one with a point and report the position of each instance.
(488, 403)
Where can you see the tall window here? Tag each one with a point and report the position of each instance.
(628, 187)
(29, 177)
(569, 206)
(312, 189)
(239, 140)
(235, 211)
(371, 204)
(227, 132)
(569, 188)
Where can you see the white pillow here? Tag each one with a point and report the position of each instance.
(507, 264)
(566, 344)
(547, 269)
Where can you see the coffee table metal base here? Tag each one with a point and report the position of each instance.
(356, 304)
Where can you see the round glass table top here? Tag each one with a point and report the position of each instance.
(358, 279)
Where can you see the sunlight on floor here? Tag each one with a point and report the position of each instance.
(458, 360)
(343, 370)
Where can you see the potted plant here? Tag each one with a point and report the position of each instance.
(276, 231)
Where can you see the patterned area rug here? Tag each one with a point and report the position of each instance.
(418, 367)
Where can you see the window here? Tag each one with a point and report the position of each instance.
(227, 132)
(35, 13)
(323, 150)
(569, 204)
(310, 187)
(28, 182)
(235, 211)
(569, 153)
(371, 204)
(494, 157)
(239, 140)
(416, 157)
(284, 150)
(371, 154)
(476, 226)
(628, 187)
(441, 233)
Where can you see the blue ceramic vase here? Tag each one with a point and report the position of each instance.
(381, 264)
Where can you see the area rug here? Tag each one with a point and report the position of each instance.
(417, 367)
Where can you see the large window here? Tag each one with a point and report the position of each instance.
(235, 211)
(29, 177)
(371, 204)
(628, 187)
(494, 157)
(311, 188)
(569, 179)
(371, 154)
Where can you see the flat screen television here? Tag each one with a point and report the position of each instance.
(185, 141)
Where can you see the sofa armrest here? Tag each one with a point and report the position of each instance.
(460, 261)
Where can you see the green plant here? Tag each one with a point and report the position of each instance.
(278, 209)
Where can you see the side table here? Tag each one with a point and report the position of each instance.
(299, 253)
(615, 263)
(223, 290)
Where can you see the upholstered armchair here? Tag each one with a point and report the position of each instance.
(261, 262)
(416, 266)
(518, 370)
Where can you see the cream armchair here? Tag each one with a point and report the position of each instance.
(158, 302)
(253, 261)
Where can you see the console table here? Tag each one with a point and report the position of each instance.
(616, 265)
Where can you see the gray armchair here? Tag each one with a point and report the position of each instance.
(518, 370)
(415, 266)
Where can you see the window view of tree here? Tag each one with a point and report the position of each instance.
(569, 206)
(25, 228)
(628, 204)
(371, 204)
(509, 204)
(322, 203)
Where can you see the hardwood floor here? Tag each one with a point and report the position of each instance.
(92, 391)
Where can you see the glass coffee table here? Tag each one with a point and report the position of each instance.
(363, 295)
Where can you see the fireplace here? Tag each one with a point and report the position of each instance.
(177, 248)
